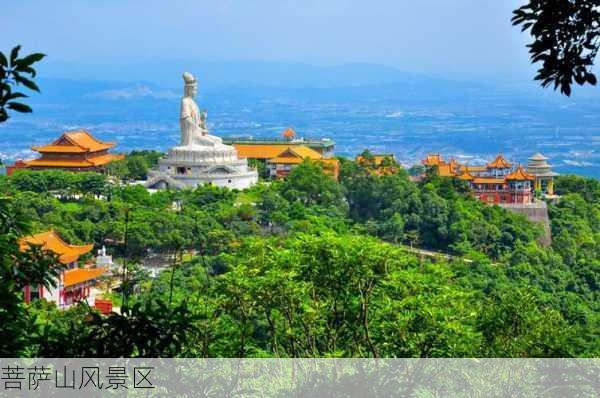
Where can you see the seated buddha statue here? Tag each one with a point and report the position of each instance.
(192, 121)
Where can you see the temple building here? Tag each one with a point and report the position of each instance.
(263, 149)
(74, 150)
(280, 156)
(497, 182)
(74, 283)
(282, 164)
(542, 172)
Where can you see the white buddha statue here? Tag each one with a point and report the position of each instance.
(193, 122)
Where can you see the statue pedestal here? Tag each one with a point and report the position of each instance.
(190, 166)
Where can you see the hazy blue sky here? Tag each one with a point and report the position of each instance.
(451, 38)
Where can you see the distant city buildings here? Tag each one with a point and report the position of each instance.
(74, 283)
(499, 182)
(73, 151)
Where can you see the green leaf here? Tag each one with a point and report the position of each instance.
(30, 59)
(3, 60)
(16, 95)
(16, 106)
(591, 79)
(14, 54)
(27, 83)
(26, 69)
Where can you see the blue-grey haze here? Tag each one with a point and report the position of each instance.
(409, 116)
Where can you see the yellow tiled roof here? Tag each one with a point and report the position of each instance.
(50, 241)
(74, 141)
(488, 180)
(258, 151)
(305, 152)
(432, 159)
(286, 160)
(499, 163)
(91, 162)
(520, 175)
(295, 154)
(445, 170)
(79, 275)
(466, 176)
(476, 169)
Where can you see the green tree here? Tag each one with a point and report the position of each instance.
(565, 40)
(13, 72)
(309, 185)
(18, 269)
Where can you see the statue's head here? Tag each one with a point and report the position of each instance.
(191, 86)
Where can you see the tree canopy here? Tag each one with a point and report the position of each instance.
(565, 40)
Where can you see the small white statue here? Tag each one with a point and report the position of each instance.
(192, 121)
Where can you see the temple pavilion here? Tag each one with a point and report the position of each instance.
(283, 162)
(74, 150)
(281, 155)
(497, 182)
(539, 168)
(262, 149)
(74, 283)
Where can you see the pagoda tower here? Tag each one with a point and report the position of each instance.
(539, 168)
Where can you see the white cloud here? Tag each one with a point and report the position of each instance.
(139, 91)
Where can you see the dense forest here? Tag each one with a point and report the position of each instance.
(305, 267)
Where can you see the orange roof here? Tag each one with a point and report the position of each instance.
(488, 180)
(499, 163)
(90, 162)
(445, 170)
(476, 169)
(79, 275)
(104, 159)
(259, 151)
(295, 154)
(289, 133)
(520, 175)
(75, 141)
(466, 176)
(432, 160)
(286, 160)
(59, 149)
(50, 241)
(305, 152)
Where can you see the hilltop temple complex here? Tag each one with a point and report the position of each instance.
(499, 181)
(74, 150)
(74, 283)
(281, 155)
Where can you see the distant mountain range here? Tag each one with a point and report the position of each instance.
(218, 75)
